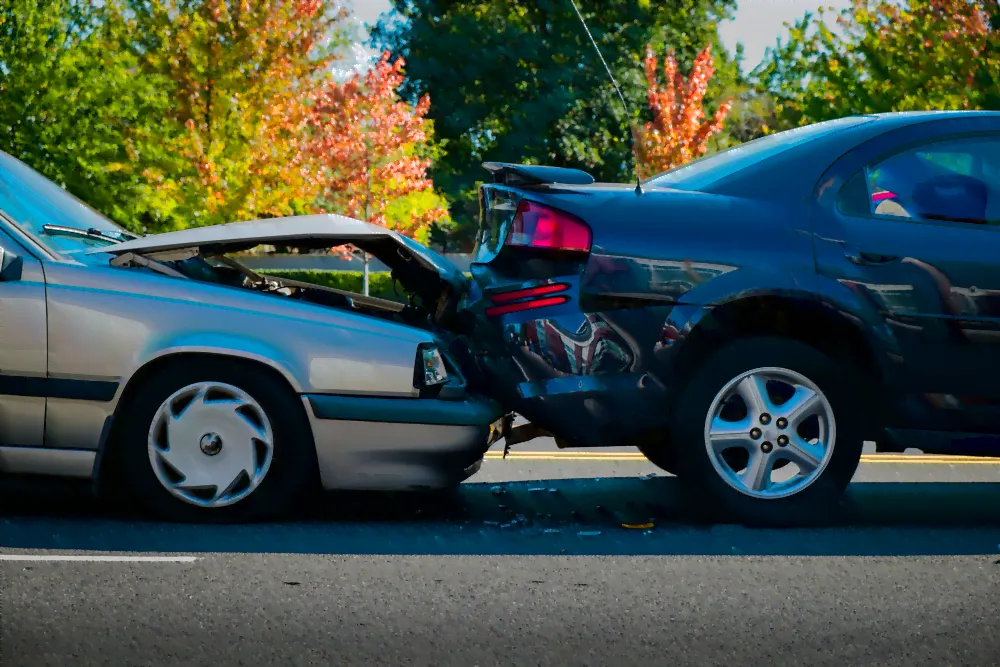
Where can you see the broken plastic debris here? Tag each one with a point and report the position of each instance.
(536, 489)
(589, 533)
(648, 477)
(498, 490)
(637, 526)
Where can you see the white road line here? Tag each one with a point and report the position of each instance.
(101, 559)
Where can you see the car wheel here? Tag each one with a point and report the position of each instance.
(768, 432)
(219, 441)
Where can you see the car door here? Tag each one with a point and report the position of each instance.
(23, 349)
(910, 222)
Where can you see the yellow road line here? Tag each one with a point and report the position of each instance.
(636, 456)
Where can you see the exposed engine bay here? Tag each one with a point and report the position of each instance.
(424, 300)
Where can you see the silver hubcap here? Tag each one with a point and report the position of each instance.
(770, 433)
(210, 444)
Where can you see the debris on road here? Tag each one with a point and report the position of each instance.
(648, 477)
(498, 490)
(637, 526)
(589, 533)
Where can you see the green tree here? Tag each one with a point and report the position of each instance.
(76, 108)
(239, 75)
(886, 56)
(517, 80)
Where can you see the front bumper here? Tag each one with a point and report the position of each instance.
(372, 443)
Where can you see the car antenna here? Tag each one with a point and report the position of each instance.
(628, 112)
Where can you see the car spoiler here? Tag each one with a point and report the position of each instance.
(528, 174)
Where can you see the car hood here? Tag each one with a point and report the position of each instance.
(411, 260)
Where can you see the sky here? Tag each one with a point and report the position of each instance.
(757, 23)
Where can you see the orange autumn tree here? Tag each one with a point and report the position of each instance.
(679, 131)
(236, 131)
(375, 149)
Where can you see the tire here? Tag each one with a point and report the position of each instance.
(660, 452)
(284, 473)
(728, 491)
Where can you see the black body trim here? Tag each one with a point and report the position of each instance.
(101, 391)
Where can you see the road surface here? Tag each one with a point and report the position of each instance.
(529, 564)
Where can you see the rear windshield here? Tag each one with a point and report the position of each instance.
(707, 170)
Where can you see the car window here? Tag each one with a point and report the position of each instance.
(33, 201)
(705, 171)
(957, 180)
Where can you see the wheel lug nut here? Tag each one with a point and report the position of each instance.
(766, 447)
(755, 433)
(782, 440)
(765, 419)
(782, 422)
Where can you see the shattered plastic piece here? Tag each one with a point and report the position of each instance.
(498, 490)
(589, 533)
(536, 489)
(637, 526)
(648, 477)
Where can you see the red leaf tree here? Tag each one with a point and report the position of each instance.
(679, 131)
(375, 150)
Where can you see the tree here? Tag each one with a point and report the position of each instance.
(517, 80)
(76, 107)
(238, 75)
(887, 56)
(679, 131)
(376, 150)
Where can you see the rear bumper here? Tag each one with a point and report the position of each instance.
(369, 443)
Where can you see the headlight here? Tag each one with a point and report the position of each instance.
(432, 370)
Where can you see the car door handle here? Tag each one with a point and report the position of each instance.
(862, 258)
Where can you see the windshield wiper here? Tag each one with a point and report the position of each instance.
(96, 234)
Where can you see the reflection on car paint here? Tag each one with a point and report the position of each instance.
(592, 348)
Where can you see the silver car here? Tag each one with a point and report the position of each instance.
(162, 367)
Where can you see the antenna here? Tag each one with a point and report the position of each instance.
(628, 112)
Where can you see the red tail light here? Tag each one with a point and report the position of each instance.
(527, 299)
(537, 226)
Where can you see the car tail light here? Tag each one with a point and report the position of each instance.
(538, 226)
(528, 298)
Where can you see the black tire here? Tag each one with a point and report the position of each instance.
(815, 503)
(293, 472)
(660, 452)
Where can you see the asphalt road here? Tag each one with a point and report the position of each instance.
(529, 564)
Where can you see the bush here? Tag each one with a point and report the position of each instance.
(379, 284)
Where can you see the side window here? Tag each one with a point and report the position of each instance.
(956, 180)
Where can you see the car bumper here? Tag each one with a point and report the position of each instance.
(371, 443)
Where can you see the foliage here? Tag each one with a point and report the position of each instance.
(518, 81)
(75, 105)
(887, 56)
(679, 131)
(237, 72)
(376, 150)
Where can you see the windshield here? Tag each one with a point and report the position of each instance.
(32, 201)
(707, 170)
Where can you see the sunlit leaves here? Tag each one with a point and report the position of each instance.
(375, 149)
(899, 55)
(679, 131)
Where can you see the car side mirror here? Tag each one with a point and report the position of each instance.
(10, 266)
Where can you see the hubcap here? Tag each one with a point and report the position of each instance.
(758, 409)
(210, 444)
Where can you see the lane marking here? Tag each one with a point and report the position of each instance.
(100, 559)
(898, 459)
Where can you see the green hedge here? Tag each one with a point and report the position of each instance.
(379, 284)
